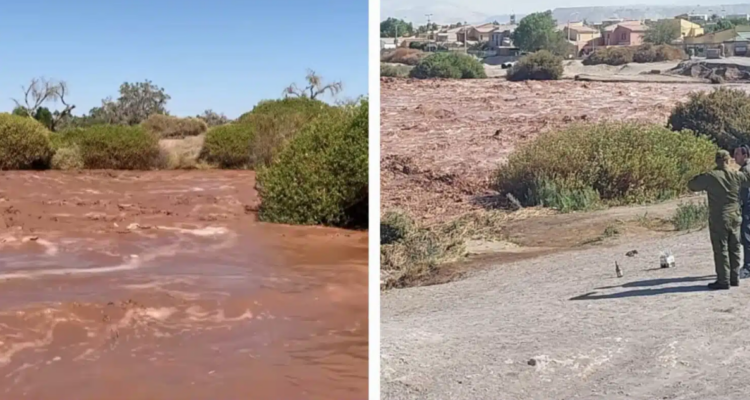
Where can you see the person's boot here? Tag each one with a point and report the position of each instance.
(718, 286)
(734, 283)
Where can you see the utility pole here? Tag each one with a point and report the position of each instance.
(429, 27)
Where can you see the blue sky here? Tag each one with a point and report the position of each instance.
(224, 55)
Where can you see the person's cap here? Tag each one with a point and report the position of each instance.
(722, 155)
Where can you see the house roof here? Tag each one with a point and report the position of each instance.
(635, 26)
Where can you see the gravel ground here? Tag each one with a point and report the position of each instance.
(653, 334)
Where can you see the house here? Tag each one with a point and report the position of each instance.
(479, 33)
(580, 33)
(628, 33)
(697, 17)
(687, 28)
(448, 35)
(733, 41)
(387, 43)
(502, 36)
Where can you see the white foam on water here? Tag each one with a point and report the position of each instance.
(203, 232)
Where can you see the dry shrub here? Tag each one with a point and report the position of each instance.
(395, 71)
(411, 254)
(541, 66)
(404, 56)
(645, 53)
(181, 153)
(68, 158)
(167, 126)
(620, 163)
(24, 143)
(723, 115)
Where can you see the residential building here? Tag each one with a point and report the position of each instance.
(697, 17)
(628, 33)
(501, 36)
(687, 28)
(387, 43)
(448, 35)
(479, 33)
(580, 33)
(734, 42)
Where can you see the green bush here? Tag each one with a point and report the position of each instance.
(275, 122)
(169, 127)
(541, 66)
(24, 143)
(722, 114)
(228, 146)
(618, 163)
(321, 176)
(68, 158)
(111, 146)
(690, 216)
(394, 71)
(449, 65)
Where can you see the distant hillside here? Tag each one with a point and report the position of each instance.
(448, 12)
(595, 14)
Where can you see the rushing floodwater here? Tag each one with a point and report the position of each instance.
(176, 306)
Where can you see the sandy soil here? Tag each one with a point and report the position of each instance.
(164, 285)
(441, 139)
(653, 334)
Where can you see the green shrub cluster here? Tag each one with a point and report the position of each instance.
(24, 143)
(68, 158)
(722, 114)
(111, 146)
(320, 177)
(275, 122)
(169, 127)
(448, 65)
(645, 53)
(541, 66)
(228, 146)
(614, 162)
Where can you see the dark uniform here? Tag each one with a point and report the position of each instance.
(745, 225)
(723, 189)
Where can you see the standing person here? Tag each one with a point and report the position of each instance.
(723, 188)
(742, 157)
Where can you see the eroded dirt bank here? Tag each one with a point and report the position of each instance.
(164, 285)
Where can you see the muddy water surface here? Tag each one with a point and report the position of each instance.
(164, 285)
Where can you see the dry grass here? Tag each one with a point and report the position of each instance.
(182, 153)
(412, 254)
(403, 56)
(67, 158)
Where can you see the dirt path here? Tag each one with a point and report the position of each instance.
(653, 334)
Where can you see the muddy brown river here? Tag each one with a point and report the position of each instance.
(146, 285)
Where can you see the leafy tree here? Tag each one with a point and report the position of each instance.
(314, 88)
(39, 92)
(537, 32)
(662, 32)
(136, 103)
(431, 27)
(392, 27)
(213, 119)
